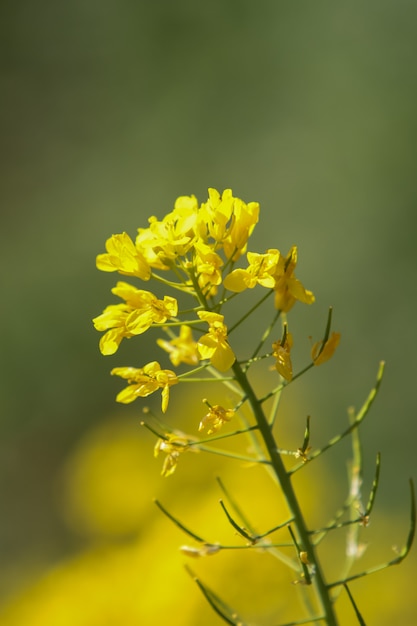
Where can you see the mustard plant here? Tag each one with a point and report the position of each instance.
(199, 257)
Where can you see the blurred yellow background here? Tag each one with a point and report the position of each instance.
(109, 112)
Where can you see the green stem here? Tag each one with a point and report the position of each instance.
(265, 335)
(303, 535)
(249, 313)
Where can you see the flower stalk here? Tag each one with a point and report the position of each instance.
(284, 480)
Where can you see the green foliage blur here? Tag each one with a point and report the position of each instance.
(112, 110)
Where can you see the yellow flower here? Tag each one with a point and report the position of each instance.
(261, 270)
(165, 241)
(214, 344)
(216, 213)
(208, 268)
(215, 418)
(281, 351)
(244, 220)
(144, 381)
(288, 288)
(122, 256)
(228, 221)
(181, 349)
(173, 446)
(147, 309)
(320, 354)
(141, 310)
(185, 215)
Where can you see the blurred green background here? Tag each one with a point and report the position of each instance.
(110, 110)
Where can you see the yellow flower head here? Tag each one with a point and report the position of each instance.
(173, 446)
(207, 265)
(287, 287)
(261, 270)
(164, 241)
(281, 351)
(141, 310)
(186, 217)
(122, 256)
(144, 381)
(245, 219)
(321, 353)
(217, 213)
(228, 221)
(214, 344)
(181, 349)
(215, 418)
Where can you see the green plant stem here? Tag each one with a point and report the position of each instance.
(251, 310)
(284, 479)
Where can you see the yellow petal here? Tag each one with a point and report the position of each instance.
(283, 364)
(223, 358)
(110, 342)
(165, 398)
(127, 395)
(327, 351)
(206, 347)
(238, 280)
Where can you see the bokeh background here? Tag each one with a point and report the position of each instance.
(110, 110)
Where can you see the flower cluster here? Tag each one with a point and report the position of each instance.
(199, 246)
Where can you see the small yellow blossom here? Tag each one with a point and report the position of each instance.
(122, 256)
(217, 213)
(141, 310)
(228, 221)
(215, 418)
(281, 351)
(245, 219)
(150, 311)
(320, 354)
(181, 349)
(208, 268)
(214, 344)
(287, 287)
(144, 381)
(163, 241)
(261, 270)
(172, 446)
(186, 217)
